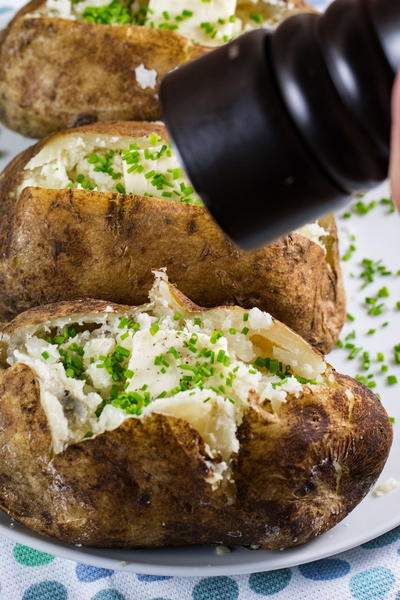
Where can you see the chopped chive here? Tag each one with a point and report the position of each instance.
(174, 352)
(397, 354)
(354, 353)
(376, 310)
(350, 336)
(155, 327)
(120, 188)
(348, 255)
(215, 336)
(257, 18)
(383, 292)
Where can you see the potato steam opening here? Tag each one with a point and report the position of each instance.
(99, 369)
(210, 24)
(146, 166)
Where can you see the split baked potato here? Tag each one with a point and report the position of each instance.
(89, 212)
(67, 62)
(171, 424)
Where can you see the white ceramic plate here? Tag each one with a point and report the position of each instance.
(377, 237)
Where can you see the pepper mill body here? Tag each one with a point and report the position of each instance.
(278, 127)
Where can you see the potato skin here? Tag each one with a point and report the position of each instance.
(120, 490)
(67, 244)
(57, 73)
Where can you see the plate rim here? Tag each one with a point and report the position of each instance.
(23, 535)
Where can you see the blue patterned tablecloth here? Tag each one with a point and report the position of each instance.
(371, 572)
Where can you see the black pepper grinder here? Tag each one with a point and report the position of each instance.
(278, 127)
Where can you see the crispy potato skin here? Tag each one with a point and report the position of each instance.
(57, 73)
(142, 485)
(67, 244)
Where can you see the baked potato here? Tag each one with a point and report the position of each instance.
(89, 212)
(66, 62)
(172, 424)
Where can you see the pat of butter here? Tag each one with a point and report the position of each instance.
(208, 22)
(137, 183)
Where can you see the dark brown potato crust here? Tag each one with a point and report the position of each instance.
(57, 73)
(142, 485)
(67, 244)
